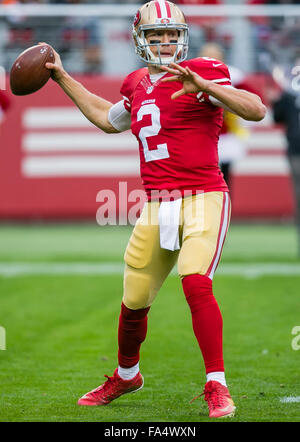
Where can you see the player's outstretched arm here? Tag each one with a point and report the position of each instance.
(245, 104)
(95, 108)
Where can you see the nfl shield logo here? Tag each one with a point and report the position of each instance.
(150, 89)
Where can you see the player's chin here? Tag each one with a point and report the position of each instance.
(166, 59)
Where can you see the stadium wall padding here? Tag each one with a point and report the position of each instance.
(53, 162)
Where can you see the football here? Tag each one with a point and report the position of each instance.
(28, 73)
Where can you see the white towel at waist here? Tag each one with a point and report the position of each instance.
(169, 218)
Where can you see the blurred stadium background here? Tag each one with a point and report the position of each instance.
(53, 163)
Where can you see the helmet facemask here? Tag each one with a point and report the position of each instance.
(160, 15)
(143, 47)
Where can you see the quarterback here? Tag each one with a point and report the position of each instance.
(174, 107)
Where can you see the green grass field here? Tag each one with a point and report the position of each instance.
(61, 314)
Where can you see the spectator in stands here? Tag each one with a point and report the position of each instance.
(13, 2)
(82, 33)
(204, 28)
(286, 111)
(208, 24)
(99, 1)
(232, 141)
(274, 36)
(21, 33)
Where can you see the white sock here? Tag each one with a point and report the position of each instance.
(216, 376)
(128, 373)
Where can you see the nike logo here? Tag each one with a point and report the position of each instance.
(216, 65)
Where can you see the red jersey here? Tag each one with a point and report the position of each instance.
(178, 139)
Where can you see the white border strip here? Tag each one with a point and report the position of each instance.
(70, 166)
(54, 117)
(78, 141)
(262, 165)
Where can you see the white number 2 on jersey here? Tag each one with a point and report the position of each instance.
(150, 131)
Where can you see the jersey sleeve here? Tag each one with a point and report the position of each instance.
(119, 114)
(129, 85)
(211, 69)
(220, 75)
(126, 92)
(119, 117)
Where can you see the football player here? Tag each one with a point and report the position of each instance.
(174, 108)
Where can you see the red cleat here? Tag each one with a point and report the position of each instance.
(113, 388)
(218, 400)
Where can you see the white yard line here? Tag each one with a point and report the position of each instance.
(245, 270)
(259, 269)
(64, 268)
(290, 399)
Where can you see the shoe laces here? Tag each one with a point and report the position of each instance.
(213, 395)
(105, 388)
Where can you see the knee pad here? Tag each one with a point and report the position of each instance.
(137, 289)
(195, 256)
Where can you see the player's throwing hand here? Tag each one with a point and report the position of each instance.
(192, 82)
(57, 70)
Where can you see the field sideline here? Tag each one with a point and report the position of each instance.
(60, 293)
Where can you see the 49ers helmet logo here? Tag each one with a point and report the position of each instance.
(137, 18)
